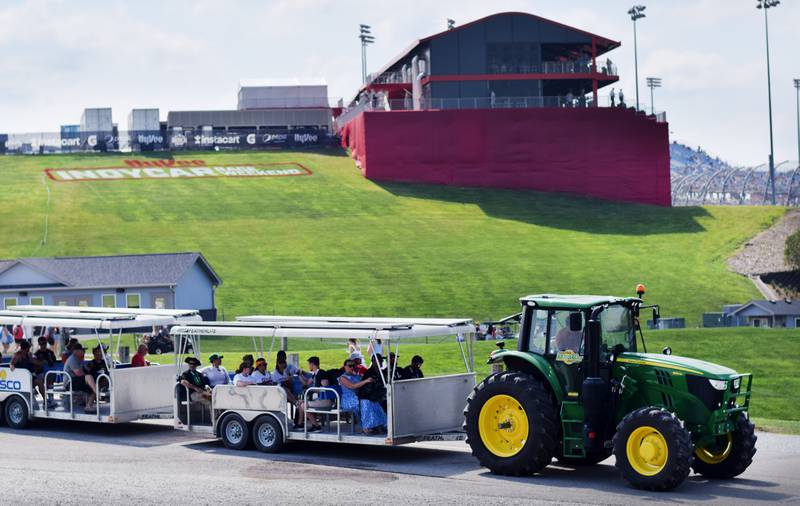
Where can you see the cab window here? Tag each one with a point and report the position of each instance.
(553, 328)
(538, 333)
(617, 328)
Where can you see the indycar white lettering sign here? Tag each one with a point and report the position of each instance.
(172, 169)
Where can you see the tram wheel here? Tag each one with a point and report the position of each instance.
(235, 433)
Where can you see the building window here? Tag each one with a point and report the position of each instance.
(159, 302)
(797, 323)
(9, 301)
(109, 300)
(37, 301)
(133, 300)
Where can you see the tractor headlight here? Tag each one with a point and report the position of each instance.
(719, 384)
(736, 383)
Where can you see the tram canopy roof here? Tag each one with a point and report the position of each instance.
(329, 327)
(91, 318)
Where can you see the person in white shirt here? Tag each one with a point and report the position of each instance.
(281, 376)
(216, 374)
(244, 378)
(260, 375)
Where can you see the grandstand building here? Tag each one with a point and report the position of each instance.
(511, 101)
(264, 106)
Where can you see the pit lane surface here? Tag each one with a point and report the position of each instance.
(145, 463)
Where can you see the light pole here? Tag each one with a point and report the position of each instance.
(636, 12)
(766, 5)
(797, 87)
(365, 34)
(653, 82)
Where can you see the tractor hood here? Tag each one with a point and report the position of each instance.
(682, 364)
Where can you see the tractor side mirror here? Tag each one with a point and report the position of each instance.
(575, 322)
(667, 350)
(656, 316)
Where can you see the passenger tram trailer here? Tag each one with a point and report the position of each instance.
(125, 393)
(421, 409)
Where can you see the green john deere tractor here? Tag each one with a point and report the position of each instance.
(578, 389)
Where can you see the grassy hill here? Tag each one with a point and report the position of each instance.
(335, 243)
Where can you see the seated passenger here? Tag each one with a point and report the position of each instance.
(215, 373)
(373, 418)
(414, 370)
(97, 365)
(45, 359)
(196, 382)
(282, 377)
(244, 378)
(23, 359)
(81, 382)
(281, 355)
(68, 349)
(260, 375)
(138, 358)
(314, 378)
(398, 373)
(246, 359)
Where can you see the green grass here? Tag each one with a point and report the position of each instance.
(778, 426)
(336, 243)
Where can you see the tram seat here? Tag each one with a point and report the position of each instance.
(6, 360)
(123, 366)
(231, 375)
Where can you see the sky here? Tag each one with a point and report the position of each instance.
(58, 57)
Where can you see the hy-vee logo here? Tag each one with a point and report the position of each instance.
(9, 385)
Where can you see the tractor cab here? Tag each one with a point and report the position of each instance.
(577, 388)
(555, 327)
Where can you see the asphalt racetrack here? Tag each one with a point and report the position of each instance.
(145, 463)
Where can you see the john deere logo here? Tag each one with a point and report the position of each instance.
(569, 357)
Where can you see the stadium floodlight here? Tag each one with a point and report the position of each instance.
(636, 12)
(766, 5)
(451, 23)
(365, 34)
(652, 83)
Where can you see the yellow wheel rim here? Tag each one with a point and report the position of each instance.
(718, 453)
(503, 425)
(647, 451)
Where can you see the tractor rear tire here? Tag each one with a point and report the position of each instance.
(733, 458)
(653, 450)
(511, 422)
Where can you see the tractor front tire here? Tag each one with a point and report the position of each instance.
(653, 450)
(511, 421)
(732, 456)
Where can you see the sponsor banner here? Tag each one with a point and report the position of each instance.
(186, 139)
(176, 169)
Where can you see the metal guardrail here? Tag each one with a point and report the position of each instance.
(337, 409)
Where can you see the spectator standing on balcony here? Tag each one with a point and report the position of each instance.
(612, 97)
(493, 99)
(608, 66)
(621, 99)
(570, 99)
(582, 98)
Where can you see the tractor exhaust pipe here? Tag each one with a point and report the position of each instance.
(594, 390)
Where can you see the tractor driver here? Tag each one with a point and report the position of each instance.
(570, 336)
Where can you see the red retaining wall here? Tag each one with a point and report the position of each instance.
(612, 154)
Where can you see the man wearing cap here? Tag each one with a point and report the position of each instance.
(215, 373)
(196, 382)
(81, 382)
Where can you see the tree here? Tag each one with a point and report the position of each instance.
(792, 251)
